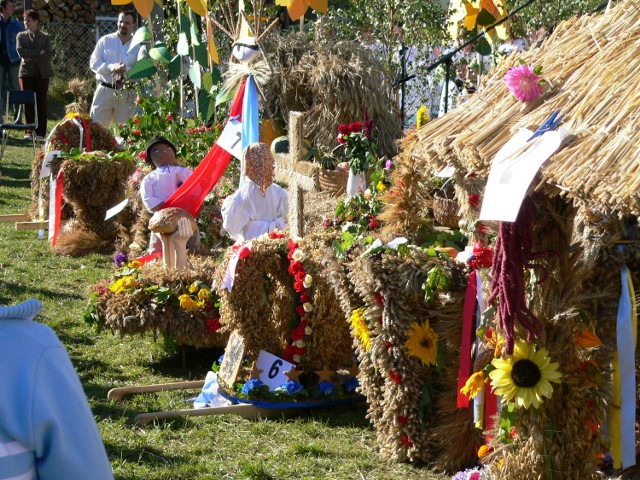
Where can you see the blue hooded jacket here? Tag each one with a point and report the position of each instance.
(47, 430)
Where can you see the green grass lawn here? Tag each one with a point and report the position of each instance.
(334, 443)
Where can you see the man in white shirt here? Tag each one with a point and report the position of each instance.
(110, 60)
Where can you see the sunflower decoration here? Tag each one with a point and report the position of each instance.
(525, 377)
(422, 342)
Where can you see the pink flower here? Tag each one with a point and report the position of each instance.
(522, 82)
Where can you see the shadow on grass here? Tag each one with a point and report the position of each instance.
(26, 183)
(15, 173)
(187, 361)
(11, 290)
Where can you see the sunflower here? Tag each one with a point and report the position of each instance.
(422, 342)
(525, 376)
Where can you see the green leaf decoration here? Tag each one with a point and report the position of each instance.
(201, 56)
(174, 66)
(538, 70)
(194, 75)
(183, 45)
(485, 18)
(207, 82)
(142, 35)
(185, 23)
(224, 96)
(142, 69)
(195, 40)
(484, 47)
(207, 101)
(160, 53)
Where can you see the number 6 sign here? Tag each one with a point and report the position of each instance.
(272, 369)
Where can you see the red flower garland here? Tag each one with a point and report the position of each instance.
(296, 348)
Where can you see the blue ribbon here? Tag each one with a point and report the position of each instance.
(626, 364)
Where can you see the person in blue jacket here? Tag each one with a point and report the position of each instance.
(9, 58)
(47, 430)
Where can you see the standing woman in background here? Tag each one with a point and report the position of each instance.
(34, 47)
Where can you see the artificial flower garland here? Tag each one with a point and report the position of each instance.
(301, 284)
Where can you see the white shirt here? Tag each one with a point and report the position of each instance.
(109, 51)
(161, 183)
(247, 214)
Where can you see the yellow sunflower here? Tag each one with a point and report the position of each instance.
(525, 376)
(422, 342)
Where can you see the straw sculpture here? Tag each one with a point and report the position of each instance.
(139, 309)
(262, 301)
(332, 82)
(65, 136)
(92, 183)
(599, 165)
(388, 288)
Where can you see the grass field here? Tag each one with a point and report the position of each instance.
(320, 444)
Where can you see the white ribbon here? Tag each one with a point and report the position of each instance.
(230, 272)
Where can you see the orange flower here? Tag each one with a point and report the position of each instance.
(586, 339)
(484, 450)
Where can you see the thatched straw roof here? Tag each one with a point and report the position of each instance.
(593, 68)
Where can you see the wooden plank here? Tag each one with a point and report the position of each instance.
(246, 411)
(116, 394)
(15, 217)
(32, 225)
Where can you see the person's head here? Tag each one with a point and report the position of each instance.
(126, 23)
(31, 19)
(259, 164)
(161, 151)
(6, 8)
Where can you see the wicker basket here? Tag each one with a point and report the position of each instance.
(333, 182)
(445, 212)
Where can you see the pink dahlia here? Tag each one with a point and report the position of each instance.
(523, 83)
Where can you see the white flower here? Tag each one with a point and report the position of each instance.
(307, 330)
(299, 343)
(298, 255)
(297, 239)
(297, 358)
(307, 307)
(308, 280)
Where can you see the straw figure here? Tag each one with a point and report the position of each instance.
(92, 183)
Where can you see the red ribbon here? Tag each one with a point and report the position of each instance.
(87, 135)
(58, 206)
(468, 314)
(192, 193)
(149, 258)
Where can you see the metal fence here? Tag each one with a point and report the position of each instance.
(73, 44)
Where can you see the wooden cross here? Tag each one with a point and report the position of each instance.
(299, 175)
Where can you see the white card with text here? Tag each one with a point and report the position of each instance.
(273, 369)
(231, 138)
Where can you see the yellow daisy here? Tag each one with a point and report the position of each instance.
(473, 385)
(422, 342)
(525, 377)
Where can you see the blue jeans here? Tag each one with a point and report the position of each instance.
(9, 72)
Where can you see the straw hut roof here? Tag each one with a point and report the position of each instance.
(592, 65)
